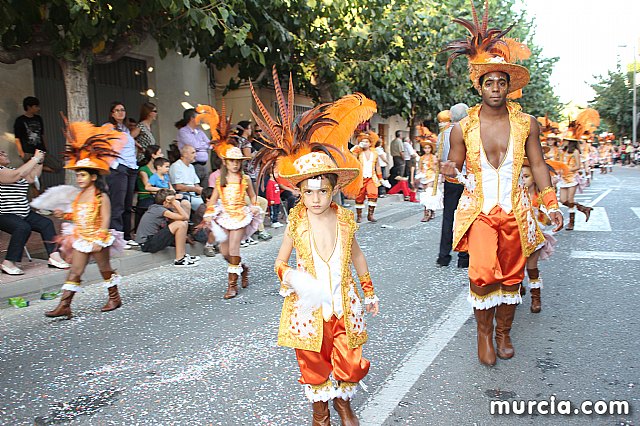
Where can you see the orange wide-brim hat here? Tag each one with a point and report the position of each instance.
(518, 75)
(317, 164)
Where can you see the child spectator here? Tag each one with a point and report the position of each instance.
(160, 180)
(273, 198)
(202, 233)
(165, 224)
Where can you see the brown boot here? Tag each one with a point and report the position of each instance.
(232, 289)
(64, 307)
(432, 214)
(536, 303)
(484, 320)
(245, 275)
(584, 209)
(112, 279)
(572, 222)
(370, 217)
(358, 215)
(534, 276)
(504, 318)
(321, 415)
(344, 410)
(426, 216)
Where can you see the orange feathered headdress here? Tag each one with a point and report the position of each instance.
(324, 130)
(488, 50)
(91, 147)
(220, 128)
(371, 136)
(586, 124)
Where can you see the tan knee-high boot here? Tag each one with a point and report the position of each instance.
(321, 415)
(234, 271)
(486, 350)
(245, 273)
(370, 217)
(64, 307)
(536, 303)
(344, 410)
(358, 215)
(584, 209)
(111, 280)
(504, 318)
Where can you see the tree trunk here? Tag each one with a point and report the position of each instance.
(76, 84)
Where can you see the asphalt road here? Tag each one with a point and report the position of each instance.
(176, 353)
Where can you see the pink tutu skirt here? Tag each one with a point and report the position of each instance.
(548, 246)
(222, 223)
(67, 242)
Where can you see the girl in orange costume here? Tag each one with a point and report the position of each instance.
(545, 249)
(427, 168)
(91, 151)
(228, 215)
(569, 182)
(323, 314)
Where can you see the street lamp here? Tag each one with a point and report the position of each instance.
(634, 107)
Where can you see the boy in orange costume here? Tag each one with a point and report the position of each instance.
(494, 220)
(371, 175)
(323, 314)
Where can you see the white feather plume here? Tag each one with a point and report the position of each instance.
(56, 198)
(309, 290)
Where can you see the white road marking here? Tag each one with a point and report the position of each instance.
(636, 210)
(597, 200)
(605, 255)
(598, 222)
(381, 404)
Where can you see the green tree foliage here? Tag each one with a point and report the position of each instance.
(81, 32)
(613, 101)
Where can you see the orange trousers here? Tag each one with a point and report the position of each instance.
(347, 365)
(495, 253)
(369, 191)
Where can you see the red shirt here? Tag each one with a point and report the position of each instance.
(273, 192)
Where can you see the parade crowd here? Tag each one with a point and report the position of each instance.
(498, 175)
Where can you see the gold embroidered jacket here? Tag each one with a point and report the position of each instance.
(303, 330)
(470, 204)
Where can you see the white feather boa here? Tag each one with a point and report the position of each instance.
(56, 198)
(309, 290)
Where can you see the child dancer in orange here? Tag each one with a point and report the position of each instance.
(427, 168)
(230, 217)
(546, 248)
(371, 175)
(90, 152)
(323, 314)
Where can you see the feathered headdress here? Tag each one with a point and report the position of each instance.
(487, 51)
(371, 136)
(587, 123)
(314, 143)
(91, 147)
(220, 129)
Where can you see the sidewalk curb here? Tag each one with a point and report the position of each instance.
(130, 262)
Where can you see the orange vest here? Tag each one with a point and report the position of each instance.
(472, 198)
(294, 323)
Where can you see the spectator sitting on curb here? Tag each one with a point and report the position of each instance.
(161, 180)
(164, 224)
(184, 177)
(201, 232)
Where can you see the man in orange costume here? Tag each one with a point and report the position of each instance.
(494, 220)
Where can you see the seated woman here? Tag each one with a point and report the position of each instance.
(16, 217)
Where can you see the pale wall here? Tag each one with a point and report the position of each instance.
(170, 79)
(16, 83)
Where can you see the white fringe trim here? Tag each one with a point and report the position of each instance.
(371, 300)
(495, 300)
(113, 281)
(235, 269)
(72, 287)
(360, 206)
(373, 203)
(218, 233)
(323, 394)
(535, 283)
(346, 390)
